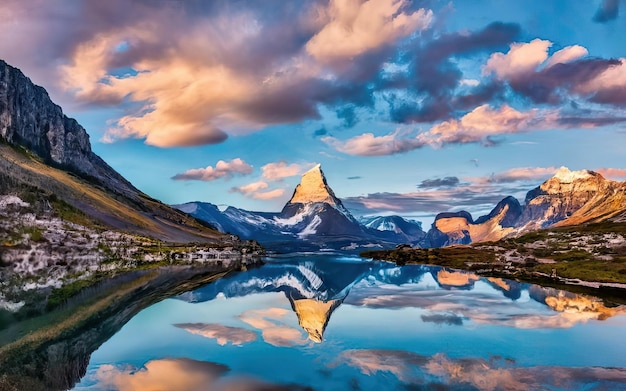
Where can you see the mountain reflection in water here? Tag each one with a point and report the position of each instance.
(330, 323)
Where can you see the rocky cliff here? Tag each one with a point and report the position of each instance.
(46, 157)
(30, 119)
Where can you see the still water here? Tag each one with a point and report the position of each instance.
(336, 323)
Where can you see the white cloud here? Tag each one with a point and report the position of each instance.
(222, 169)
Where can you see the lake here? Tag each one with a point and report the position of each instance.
(339, 323)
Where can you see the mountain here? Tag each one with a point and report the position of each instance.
(568, 198)
(46, 157)
(460, 228)
(314, 218)
(407, 231)
(314, 210)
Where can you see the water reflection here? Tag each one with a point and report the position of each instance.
(316, 288)
(333, 324)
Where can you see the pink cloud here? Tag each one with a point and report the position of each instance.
(223, 334)
(483, 122)
(272, 327)
(522, 174)
(357, 27)
(521, 58)
(369, 145)
(222, 169)
(280, 170)
(612, 173)
(253, 190)
(567, 54)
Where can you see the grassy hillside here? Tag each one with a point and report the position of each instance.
(88, 203)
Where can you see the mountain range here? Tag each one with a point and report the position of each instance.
(315, 218)
(46, 158)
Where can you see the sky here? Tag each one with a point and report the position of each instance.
(411, 107)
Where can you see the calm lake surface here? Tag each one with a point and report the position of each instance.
(336, 323)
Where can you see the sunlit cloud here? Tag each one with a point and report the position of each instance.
(178, 374)
(171, 374)
(223, 334)
(369, 145)
(280, 170)
(357, 27)
(612, 173)
(273, 329)
(222, 169)
(254, 190)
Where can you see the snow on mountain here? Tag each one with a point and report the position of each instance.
(565, 175)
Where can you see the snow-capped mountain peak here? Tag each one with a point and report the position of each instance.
(564, 175)
(314, 188)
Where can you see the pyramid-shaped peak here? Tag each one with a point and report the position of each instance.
(313, 188)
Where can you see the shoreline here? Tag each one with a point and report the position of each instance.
(485, 264)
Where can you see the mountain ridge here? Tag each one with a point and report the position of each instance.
(567, 198)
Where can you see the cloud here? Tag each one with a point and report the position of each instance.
(607, 11)
(253, 190)
(612, 173)
(480, 125)
(470, 198)
(358, 27)
(369, 145)
(223, 334)
(354, 177)
(280, 170)
(179, 374)
(434, 76)
(192, 73)
(477, 373)
(273, 330)
(171, 374)
(531, 72)
(443, 319)
(562, 309)
(222, 169)
(566, 55)
(522, 174)
(521, 58)
(449, 181)
(320, 132)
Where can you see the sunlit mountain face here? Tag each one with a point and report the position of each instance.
(333, 323)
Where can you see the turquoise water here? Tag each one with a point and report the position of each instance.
(332, 323)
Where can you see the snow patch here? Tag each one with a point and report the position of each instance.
(187, 208)
(311, 229)
(566, 176)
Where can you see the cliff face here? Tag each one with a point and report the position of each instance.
(30, 119)
(67, 169)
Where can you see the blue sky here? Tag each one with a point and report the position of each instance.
(411, 107)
